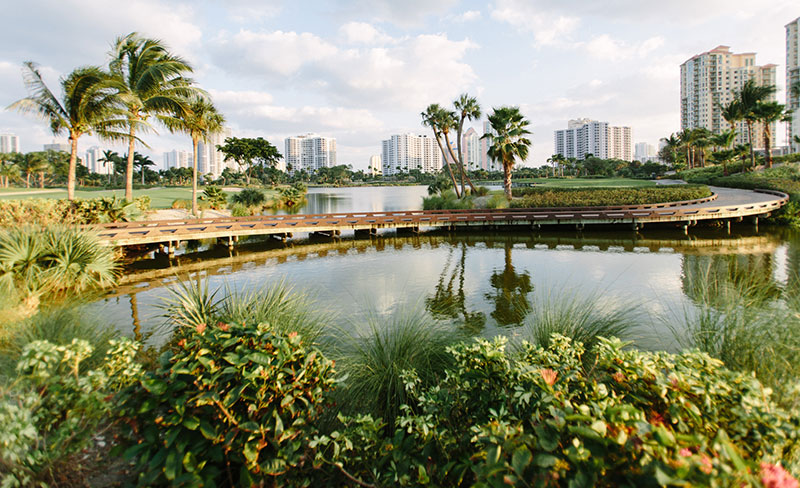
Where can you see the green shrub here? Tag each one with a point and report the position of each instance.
(231, 405)
(446, 201)
(214, 197)
(181, 204)
(249, 197)
(42, 211)
(498, 200)
(480, 191)
(241, 210)
(538, 417)
(590, 197)
(55, 410)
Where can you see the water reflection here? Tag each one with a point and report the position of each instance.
(483, 281)
(718, 280)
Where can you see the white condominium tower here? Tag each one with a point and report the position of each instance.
(486, 162)
(92, 161)
(586, 136)
(792, 78)
(404, 152)
(309, 152)
(712, 79)
(471, 147)
(178, 159)
(210, 160)
(9, 143)
(375, 165)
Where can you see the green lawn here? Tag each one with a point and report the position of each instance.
(581, 182)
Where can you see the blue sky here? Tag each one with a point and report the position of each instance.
(361, 70)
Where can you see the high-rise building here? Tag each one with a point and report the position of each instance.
(793, 79)
(471, 146)
(58, 146)
(712, 79)
(177, 159)
(309, 152)
(644, 152)
(210, 160)
(585, 136)
(92, 161)
(375, 165)
(9, 143)
(486, 162)
(404, 152)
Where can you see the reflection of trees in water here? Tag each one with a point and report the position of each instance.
(723, 280)
(793, 273)
(137, 325)
(449, 299)
(510, 297)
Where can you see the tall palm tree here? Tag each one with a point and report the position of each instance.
(31, 163)
(87, 105)
(446, 121)
(687, 139)
(109, 159)
(672, 143)
(430, 118)
(508, 143)
(724, 140)
(702, 140)
(467, 107)
(150, 82)
(143, 162)
(769, 113)
(732, 112)
(199, 120)
(749, 97)
(8, 169)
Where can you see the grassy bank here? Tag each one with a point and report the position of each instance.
(578, 182)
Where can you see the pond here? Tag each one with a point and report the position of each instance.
(485, 282)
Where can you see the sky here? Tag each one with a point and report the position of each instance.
(362, 70)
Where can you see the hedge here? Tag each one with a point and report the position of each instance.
(45, 211)
(590, 197)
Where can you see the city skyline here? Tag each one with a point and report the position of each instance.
(362, 71)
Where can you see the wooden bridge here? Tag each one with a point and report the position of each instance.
(725, 204)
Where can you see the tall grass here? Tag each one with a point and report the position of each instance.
(59, 325)
(193, 302)
(447, 200)
(374, 361)
(582, 318)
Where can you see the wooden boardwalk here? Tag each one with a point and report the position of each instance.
(725, 204)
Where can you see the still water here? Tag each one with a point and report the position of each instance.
(484, 282)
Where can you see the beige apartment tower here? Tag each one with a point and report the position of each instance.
(792, 77)
(712, 79)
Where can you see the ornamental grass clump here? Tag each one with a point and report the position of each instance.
(230, 405)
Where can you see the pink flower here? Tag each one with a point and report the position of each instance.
(685, 452)
(774, 476)
(549, 376)
(200, 328)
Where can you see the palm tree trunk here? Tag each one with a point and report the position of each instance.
(507, 180)
(195, 142)
(41, 179)
(455, 161)
(750, 140)
(129, 167)
(460, 153)
(73, 161)
(446, 163)
(767, 144)
(27, 180)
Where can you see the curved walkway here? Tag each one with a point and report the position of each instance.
(728, 204)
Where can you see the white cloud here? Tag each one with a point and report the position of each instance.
(406, 13)
(407, 72)
(468, 16)
(362, 33)
(606, 48)
(547, 27)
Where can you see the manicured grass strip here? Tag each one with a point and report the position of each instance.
(585, 197)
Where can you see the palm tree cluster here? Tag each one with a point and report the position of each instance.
(143, 80)
(751, 105)
(507, 141)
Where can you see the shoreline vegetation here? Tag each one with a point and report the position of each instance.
(260, 386)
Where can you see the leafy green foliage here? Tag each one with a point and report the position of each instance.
(537, 417)
(446, 200)
(232, 404)
(249, 152)
(55, 408)
(214, 197)
(291, 196)
(585, 197)
(249, 197)
(80, 211)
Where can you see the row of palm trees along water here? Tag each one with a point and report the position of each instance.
(750, 105)
(143, 79)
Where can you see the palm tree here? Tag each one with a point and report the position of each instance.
(724, 140)
(149, 81)
(199, 120)
(110, 158)
(467, 107)
(769, 113)
(446, 121)
(31, 163)
(702, 141)
(749, 97)
(430, 118)
(142, 162)
(672, 143)
(687, 139)
(8, 169)
(508, 141)
(87, 105)
(732, 112)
